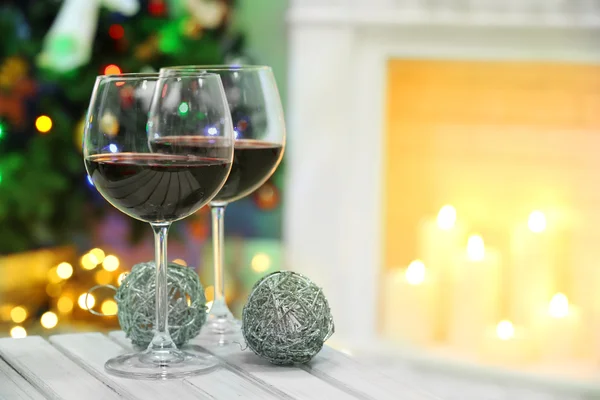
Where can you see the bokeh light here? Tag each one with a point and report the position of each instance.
(116, 31)
(43, 124)
(64, 270)
(98, 253)
(112, 69)
(18, 314)
(109, 307)
(86, 305)
(64, 304)
(183, 109)
(89, 261)
(260, 262)
(49, 320)
(18, 332)
(110, 263)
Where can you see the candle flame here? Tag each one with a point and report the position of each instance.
(446, 217)
(559, 306)
(537, 221)
(415, 273)
(505, 330)
(475, 248)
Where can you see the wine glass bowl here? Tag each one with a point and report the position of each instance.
(138, 155)
(259, 131)
(156, 188)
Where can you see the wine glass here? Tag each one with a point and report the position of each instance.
(129, 116)
(259, 130)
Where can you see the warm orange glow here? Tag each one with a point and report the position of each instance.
(5, 310)
(180, 262)
(103, 277)
(53, 276)
(209, 292)
(464, 133)
(64, 304)
(112, 69)
(53, 289)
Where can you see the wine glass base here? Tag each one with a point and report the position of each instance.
(222, 325)
(162, 364)
(222, 331)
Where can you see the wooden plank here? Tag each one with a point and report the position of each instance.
(13, 386)
(92, 350)
(345, 371)
(220, 384)
(51, 371)
(293, 381)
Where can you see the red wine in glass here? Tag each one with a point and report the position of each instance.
(253, 162)
(157, 187)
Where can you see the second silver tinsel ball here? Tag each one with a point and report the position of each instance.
(287, 318)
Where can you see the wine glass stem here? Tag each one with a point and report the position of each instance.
(219, 307)
(162, 340)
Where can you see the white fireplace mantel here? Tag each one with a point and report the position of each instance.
(338, 51)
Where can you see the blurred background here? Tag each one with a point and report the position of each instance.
(439, 179)
(58, 236)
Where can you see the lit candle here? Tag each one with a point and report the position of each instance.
(475, 296)
(439, 240)
(506, 344)
(559, 331)
(409, 312)
(532, 273)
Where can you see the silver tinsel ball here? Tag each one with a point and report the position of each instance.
(136, 300)
(287, 318)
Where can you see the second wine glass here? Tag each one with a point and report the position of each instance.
(259, 130)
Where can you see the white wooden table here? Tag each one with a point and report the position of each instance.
(71, 367)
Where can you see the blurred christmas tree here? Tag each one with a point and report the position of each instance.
(50, 54)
